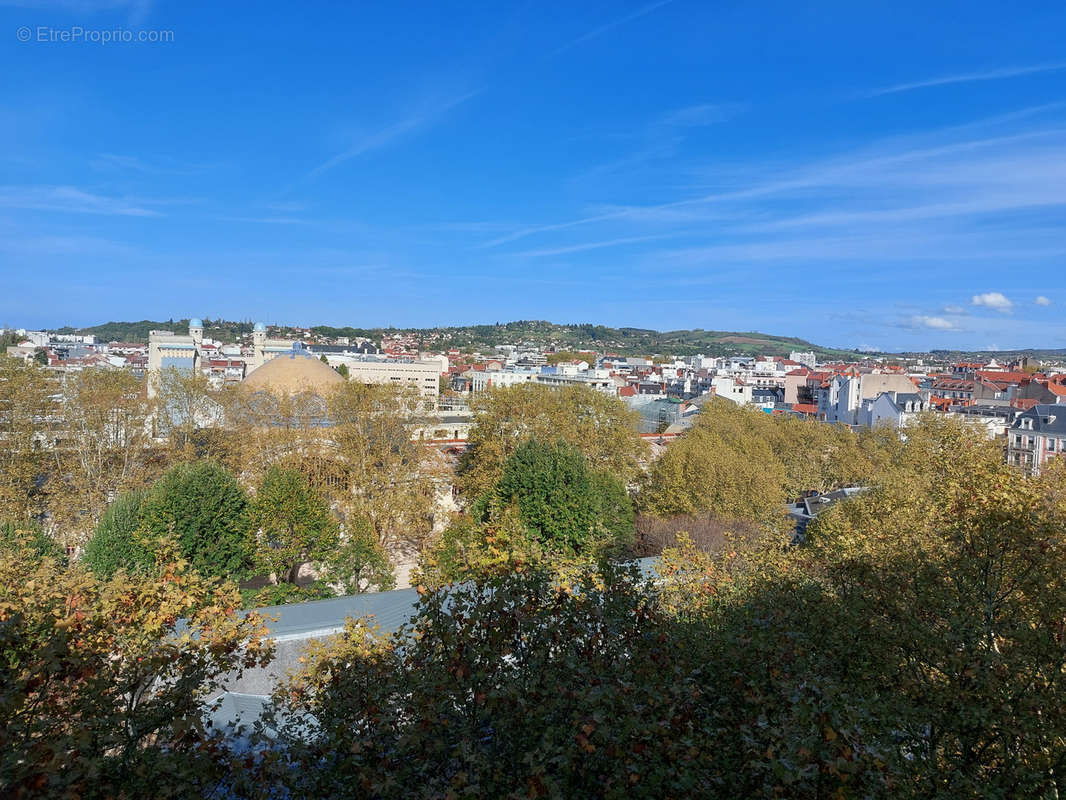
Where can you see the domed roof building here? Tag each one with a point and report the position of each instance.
(294, 373)
(290, 389)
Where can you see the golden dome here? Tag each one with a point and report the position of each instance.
(292, 374)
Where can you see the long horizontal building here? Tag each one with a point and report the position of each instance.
(421, 375)
(480, 380)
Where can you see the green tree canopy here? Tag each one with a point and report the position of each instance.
(119, 542)
(203, 510)
(562, 501)
(294, 522)
(602, 427)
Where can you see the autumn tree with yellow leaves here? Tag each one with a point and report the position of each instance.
(104, 683)
(602, 427)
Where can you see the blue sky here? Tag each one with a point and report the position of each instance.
(889, 175)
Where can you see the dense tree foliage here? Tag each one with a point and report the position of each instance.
(602, 427)
(387, 485)
(359, 563)
(563, 503)
(913, 645)
(31, 540)
(120, 542)
(740, 463)
(102, 692)
(913, 648)
(27, 419)
(294, 524)
(204, 511)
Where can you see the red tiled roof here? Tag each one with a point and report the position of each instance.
(1002, 377)
(805, 408)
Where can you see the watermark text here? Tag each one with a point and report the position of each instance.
(76, 34)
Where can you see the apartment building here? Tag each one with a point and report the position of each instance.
(1036, 436)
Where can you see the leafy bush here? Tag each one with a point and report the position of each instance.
(563, 502)
(102, 690)
(284, 593)
(294, 522)
(29, 538)
(202, 509)
(119, 542)
(359, 563)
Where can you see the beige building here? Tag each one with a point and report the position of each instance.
(297, 373)
(264, 349)
(167, 349)
(424, 376)
(185, 352)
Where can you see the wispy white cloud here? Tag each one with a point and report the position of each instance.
(994, 300)
(286, 207)
(1042, 301)
(968, 77)
(916, 199)
(602, 29)
(390, 133)
(70, 199)
(579, 248)
(81, 246)
(702, 114)
(268, 220)
(933, 323)
(124, 163)
(950, 309)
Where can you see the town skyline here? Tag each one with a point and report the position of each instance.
(689, 339)
(665, 165)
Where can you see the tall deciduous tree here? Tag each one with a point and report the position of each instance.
(704, 471)
(740, 463)
(203, 510)
(601, 426)
(562, 501)
(105, 447)
(294, 524)
(191, 413)
(28, 417)
(384, 473)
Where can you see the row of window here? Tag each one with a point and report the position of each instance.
(1049, 443)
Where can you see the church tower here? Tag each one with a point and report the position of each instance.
(259, 335)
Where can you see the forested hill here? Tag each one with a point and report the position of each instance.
(223, 330)
(624, 341)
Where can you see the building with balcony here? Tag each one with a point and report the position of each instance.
(1036, 436)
